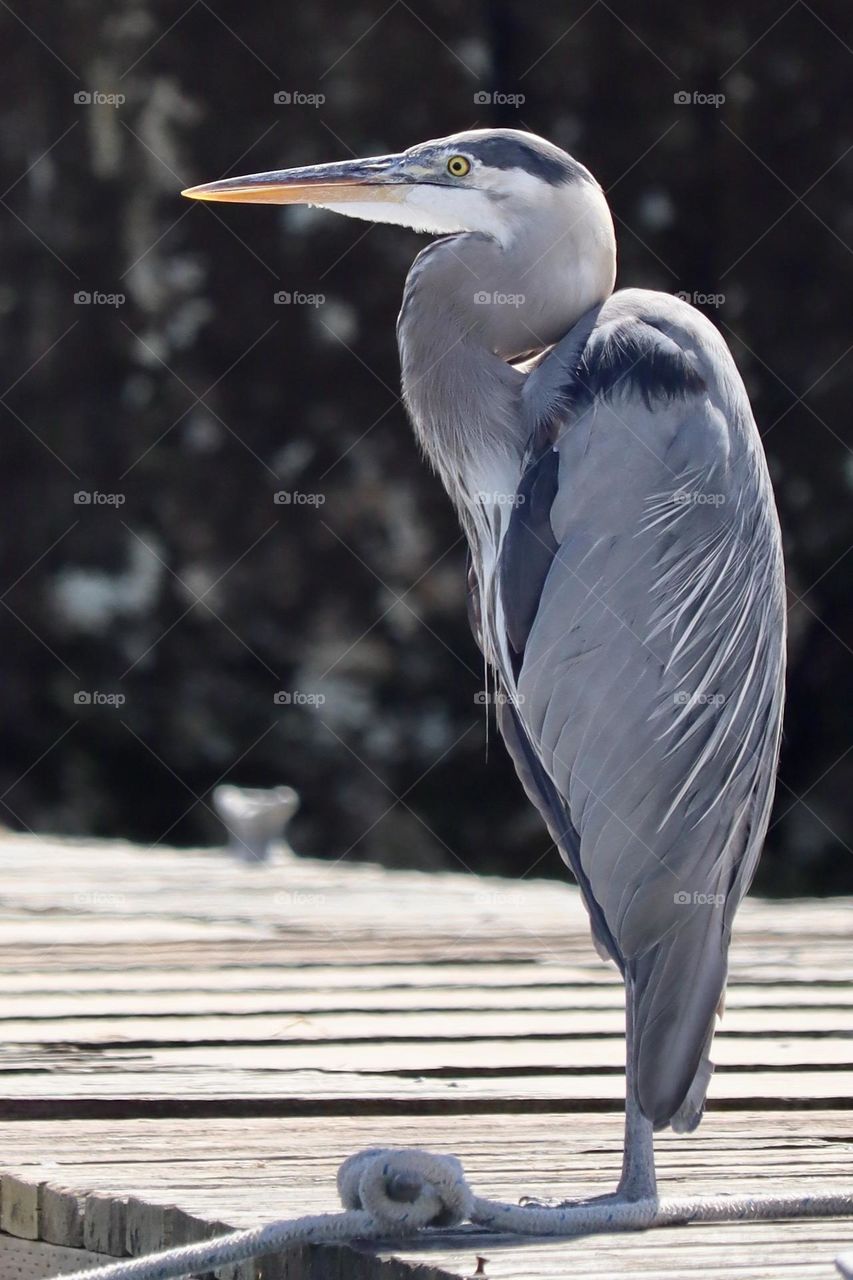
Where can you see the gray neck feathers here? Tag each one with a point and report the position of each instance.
(470, 306)
(462, 397)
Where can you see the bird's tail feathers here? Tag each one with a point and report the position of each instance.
(689, 1115)
(675, 989)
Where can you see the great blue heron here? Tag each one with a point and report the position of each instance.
(626, 578)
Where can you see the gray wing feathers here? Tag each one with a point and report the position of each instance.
(651, 681)
(542, 793)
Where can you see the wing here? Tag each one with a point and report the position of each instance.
(650, 665)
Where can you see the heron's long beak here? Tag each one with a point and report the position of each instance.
(378, 178)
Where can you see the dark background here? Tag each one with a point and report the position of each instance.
(197, 397)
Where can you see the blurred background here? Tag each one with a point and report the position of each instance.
(222, 559)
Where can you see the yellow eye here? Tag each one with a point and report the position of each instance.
(458, 166)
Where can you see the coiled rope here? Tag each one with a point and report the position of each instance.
(397, 1192)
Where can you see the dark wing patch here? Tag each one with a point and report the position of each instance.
(529, 547)
(632, 357)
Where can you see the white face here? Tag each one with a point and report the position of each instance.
(427, 209)
(439, 210)
(491, 201)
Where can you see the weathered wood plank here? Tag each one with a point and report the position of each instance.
(401, 1024)
(61, 1215)
(105, 1223)
(517, 1056)
(493, 981)
(192, 1004)
(206, 1094)
(261, 1167)
(19, 1207)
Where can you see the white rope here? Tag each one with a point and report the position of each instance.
(396, 1192)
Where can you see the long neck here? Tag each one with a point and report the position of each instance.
(465, 404)
(470, 306)
(462, 397)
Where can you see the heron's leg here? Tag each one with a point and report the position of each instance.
(638, 1180)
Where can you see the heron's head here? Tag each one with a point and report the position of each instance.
(492, 181)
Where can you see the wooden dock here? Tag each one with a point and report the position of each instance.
(190, 1043)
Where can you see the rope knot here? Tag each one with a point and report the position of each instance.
(404, 1189)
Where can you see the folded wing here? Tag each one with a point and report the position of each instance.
(642, 587)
